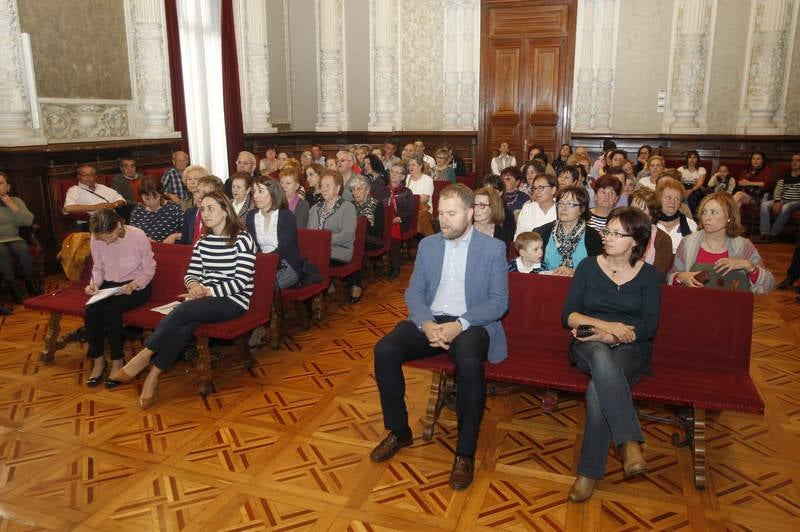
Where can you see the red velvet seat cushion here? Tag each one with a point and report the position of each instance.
(358, 252)
(315, 247)
(70, 301)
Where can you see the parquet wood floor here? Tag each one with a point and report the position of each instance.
(287, 447)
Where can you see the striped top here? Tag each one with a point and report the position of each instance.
(227, 270)
(788, 188)
(598, 223)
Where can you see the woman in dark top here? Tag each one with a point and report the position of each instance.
(568, 240)
(313, 176)
(563, 155)
(160, 219)
(755, 181)
(371, 209)
(613, 309)
(513, 197)
(374, 171)
(274, 229)
(401, 199)
(490, 214)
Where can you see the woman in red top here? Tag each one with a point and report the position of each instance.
(755, 181)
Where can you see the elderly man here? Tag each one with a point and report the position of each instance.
(89, 195)
(172, 180)
(457, 294)
(191, 176)
(344, 164)
(122, 182)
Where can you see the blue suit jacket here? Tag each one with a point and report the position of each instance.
(187, 233)
(486, 287)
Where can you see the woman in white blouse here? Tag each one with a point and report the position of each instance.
(542, 207)
(419, 183)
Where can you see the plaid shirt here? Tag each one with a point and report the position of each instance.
(173, 184)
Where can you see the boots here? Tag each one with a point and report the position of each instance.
(14, 291)
(33, 286)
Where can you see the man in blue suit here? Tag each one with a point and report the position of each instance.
(456, 297)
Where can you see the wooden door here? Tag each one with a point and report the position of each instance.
(527, 52)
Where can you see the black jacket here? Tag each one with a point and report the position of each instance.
(288, 245)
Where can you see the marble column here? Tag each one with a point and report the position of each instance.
(332, 115)
(604, 78)
(459, 105)
(151, 65)
(385, 96)
(451, 66)
(251, 34)
(764, 97)
(467, 105)
(584, 79)
(16, 127)
(688, 98)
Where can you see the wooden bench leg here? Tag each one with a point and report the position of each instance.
(275, 328)
(440, 387)
(316, 307)
(51, 340)
(699, 447)
(203, 366)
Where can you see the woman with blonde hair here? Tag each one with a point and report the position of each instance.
(672, 221)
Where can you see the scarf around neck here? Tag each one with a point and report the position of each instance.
(567, 242)
(324, 213)
(682, 221)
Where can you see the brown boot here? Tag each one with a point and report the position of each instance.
(582, 489)
(632, 459)
(462, 472)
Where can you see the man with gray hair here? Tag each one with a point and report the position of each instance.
(344, 164)
(174, 189)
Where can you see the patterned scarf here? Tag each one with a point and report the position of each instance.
(511, 198)
(567, 242)
(367, 209)
(324, 213)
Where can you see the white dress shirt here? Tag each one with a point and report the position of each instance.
(450, 299)
(82, 195)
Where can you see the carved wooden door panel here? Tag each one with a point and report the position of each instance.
(527, 51)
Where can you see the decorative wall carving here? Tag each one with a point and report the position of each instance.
(332, 108)
(421, 64)
(251, 37)
(67, 121)
(763, 103)
(692, 39)
(384, 111)
(460, 40)
(596, 42)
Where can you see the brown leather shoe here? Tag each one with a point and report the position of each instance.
(632, 459)
(462, 473)
(582, 489)
(388, 447)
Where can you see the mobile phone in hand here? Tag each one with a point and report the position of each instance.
(583, 331)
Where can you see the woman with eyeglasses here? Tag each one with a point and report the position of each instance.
(566, 241)
(541, 208)
(613, 311)
(489, 215)
(718, 245)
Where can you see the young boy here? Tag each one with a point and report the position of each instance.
(529, 247)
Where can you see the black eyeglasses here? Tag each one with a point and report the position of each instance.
(616, 234)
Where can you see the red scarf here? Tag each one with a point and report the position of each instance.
(393, 191)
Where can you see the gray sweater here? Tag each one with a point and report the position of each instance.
(342, 225)
(11, 222)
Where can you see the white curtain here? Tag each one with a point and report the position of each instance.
(201, 58)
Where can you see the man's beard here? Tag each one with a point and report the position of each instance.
(453, 236)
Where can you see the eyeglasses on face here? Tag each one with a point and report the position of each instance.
(614, 234)
(568, 204)
(480, 205)
(541, 188)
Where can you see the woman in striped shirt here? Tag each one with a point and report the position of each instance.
(219, 283)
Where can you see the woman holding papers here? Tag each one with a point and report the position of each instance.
(219, 283)
(121, 274)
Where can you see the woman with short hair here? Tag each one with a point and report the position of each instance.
(270, 161)
(489, 215)
(442, 171)
(655, 166)
(693, 179)
(756, 180)
(659, 248)
(672, 221)
(613, 310)
(371, 209)
(241, 185)
(290, 182)
(336, 215)
(160, 219)
(401, 200)
(541, 209)
(606, 191)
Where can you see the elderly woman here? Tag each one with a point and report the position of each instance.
(371, 209)
(489, 215)
(274, 229)
(566, 241)
(613, 311)
(270, 161)
(756, 180)
(659, 248)
(718, 245)
(122, 259)
(290, 182)
(401, 200)
(161, 220)
(442, 171)
(313, 174)
(542, 207)
(671, 220)
(219, 284)
(241, 185)
(606, 191)
(655, 167)
(335, 215)
(13, 215)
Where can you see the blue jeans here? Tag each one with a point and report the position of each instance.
(610, 414)
(786, 212)
(177, 328)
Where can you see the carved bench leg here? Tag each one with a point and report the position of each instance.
(436, 400)
(275, 329)
(699, 448)
(248, 360)
(202, 364)
(51, 340)
(316, 305)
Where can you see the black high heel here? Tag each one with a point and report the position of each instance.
(92, 382)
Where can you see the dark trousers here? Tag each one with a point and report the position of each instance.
(175, 331)
(394, 254)
(610, 414)
(793, 273)
(104, 319)
(19, 249)
(468, 350)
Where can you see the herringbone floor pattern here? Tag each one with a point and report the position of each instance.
(287, 447)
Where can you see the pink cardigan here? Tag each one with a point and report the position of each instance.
(128, 259)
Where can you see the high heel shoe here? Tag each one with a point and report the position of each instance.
(120, 377)
(632, 460)
(147, 402)
(92, 382)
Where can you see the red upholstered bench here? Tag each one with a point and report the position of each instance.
(699, 364)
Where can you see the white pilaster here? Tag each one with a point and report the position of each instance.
(596, 44)
(690, 64)
(468, 89)
(452, 36)
(763, 101)
(383, 57)
(251, 43)
(459, 105)
(16, 127)
(151, 70)
(332, 106)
